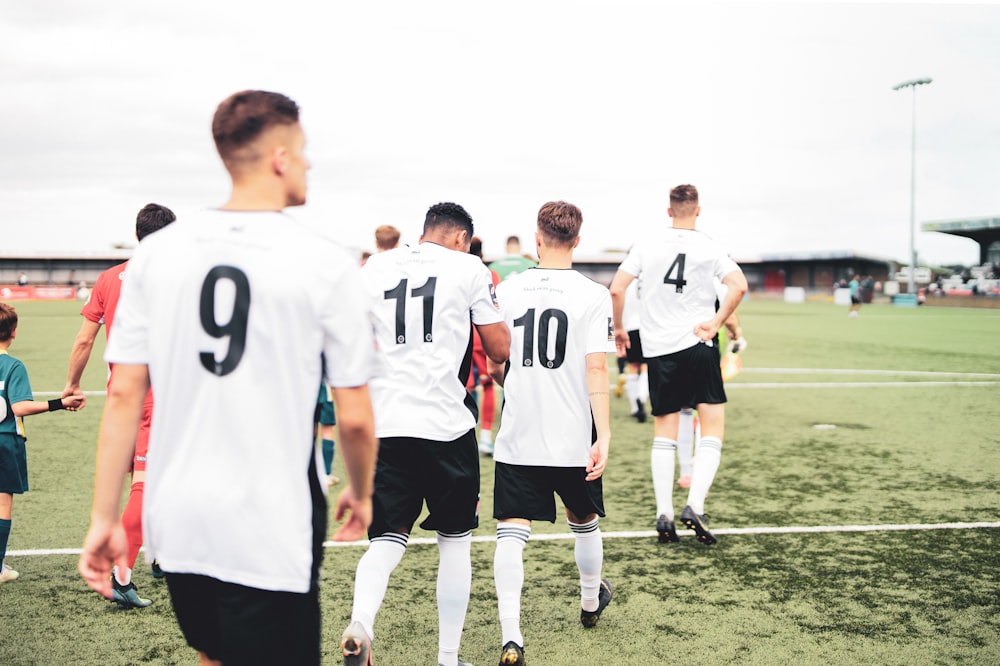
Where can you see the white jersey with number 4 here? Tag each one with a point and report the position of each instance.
(424, 300)
(556, 317)
(232, 311)
(676, 270)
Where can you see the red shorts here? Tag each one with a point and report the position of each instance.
(142, 438)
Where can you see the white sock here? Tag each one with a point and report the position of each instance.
(685, 440)
(589, 552)
(454, 583)
(662, 461)
(632, 391)
(706, 464)
(371, 579)
(122, 575)
(485, 436)
(644, 387)
(508, 574)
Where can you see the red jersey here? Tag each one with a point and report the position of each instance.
(100, 306)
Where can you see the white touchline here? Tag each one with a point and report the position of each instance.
(803, 529)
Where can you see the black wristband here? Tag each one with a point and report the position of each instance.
(56, 405)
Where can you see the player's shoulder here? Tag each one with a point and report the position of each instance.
(12, 364)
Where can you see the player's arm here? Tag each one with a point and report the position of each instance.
(736, 284)
(618, 286)
(79, 356)
(737, 342)
(497, 371)
(600, 406)
(106, 544)
(496, 341)
(31, 407)
(359, 448)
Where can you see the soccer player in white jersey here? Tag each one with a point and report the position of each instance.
(233, 351)
(678, 323)
(555, 424)
(424, 301)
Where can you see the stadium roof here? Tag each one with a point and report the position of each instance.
(969, 227)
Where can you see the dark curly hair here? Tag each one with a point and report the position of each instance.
(449, 215)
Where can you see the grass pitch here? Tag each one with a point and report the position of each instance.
(910, 448)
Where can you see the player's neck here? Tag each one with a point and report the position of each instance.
(556, 258)
(254, 197)
(685, 222)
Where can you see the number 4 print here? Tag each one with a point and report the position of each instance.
(678, 281)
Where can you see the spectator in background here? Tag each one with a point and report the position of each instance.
(514, 262)
(855, 286)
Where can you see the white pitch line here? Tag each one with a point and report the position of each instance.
(858, 371)
(805, 529)
(826, 385)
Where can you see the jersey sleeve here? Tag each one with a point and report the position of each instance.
(485, 307)
(348, 342)
(600, 325)
(93, 310)
(632, 263)
(17, 387)
(129, 343)
(724, 266)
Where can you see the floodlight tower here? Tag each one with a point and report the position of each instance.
(911, 283)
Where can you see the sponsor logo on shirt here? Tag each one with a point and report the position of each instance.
(493, 295)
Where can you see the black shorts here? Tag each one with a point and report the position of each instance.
(411, 470)
(245, 625)
(13, 464)
(855, 300)
(687, 378)
(634, 352)
(527, 491)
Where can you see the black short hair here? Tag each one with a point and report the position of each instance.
(152, 217)
(449, 215)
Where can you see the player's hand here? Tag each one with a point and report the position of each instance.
(358, 512)
(598, 459)
(706, 330)
(622, 342)
(73, 391)
(737, 345)
(105, 546)
(74, 402)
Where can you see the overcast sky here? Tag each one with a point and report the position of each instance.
(782, 114)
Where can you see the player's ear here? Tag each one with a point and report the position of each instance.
(697, 211)
(462, 240)
(670, 212)
(576, 243)
(279, 160)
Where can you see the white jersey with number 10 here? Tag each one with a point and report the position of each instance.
(556, 317)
